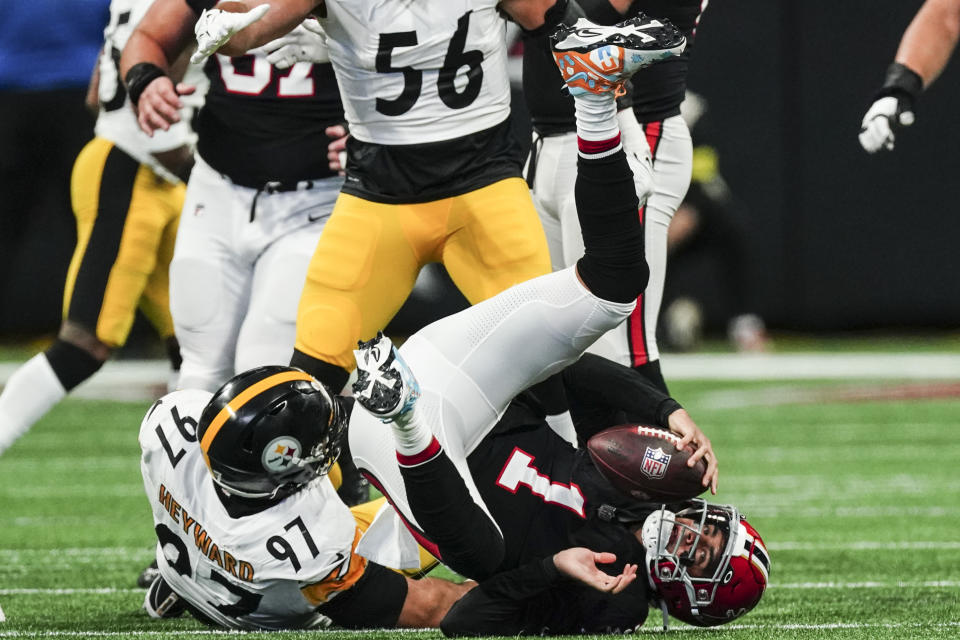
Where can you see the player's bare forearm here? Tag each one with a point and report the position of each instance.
(428, 601)
(142, 48)
(161, 37)
(930, 39)
(282, 17)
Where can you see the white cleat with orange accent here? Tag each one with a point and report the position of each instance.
(599, 59)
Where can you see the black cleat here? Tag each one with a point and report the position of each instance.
(162, 602)
(598, 59)
(148, 575)
(385, 386)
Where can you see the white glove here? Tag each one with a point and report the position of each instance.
(215, 27)
(303, 44)
(876, 130)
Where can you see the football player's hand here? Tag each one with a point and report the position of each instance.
(215, 27)
(337, 149)
(683, 425)
(159, 105)
(580, 564)
(300, 45)
(641, 165)
(884, 117)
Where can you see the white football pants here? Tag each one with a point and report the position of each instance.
(238, 269)
(665, 145)
(470, 366)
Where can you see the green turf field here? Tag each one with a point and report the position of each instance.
(859, 504)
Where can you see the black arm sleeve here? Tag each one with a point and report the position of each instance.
(375, 601)
(501, 604)
(536, 599)
(603, 393)
(199, 5)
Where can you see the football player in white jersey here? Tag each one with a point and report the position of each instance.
(432, 175)
(250, 532)
(257, 199)
(127, 192)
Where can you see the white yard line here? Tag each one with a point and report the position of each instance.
(810, 586)
(808, 366)
(827, 626)
(192, 632)
(756, 508)
(66, 592)
(864, 545)
(8, 555)
(925, 584)
(138, 380)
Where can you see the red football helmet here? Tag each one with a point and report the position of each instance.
(730, 576)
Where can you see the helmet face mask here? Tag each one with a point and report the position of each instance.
(269, 432)
(732, 575)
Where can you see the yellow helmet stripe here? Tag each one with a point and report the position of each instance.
(243, 398)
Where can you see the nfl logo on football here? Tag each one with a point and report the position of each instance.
(655, 463)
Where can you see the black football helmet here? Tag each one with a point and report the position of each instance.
(270, 431)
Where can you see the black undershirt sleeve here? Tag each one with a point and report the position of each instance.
(501, 605)
(536, 599)
(199, 5)
(603, 393)
(375, 601)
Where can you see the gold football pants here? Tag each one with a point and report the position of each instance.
(370, 253)
(126, 227)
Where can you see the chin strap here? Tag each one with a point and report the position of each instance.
(666, 616)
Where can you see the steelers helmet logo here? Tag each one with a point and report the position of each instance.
(281, 454)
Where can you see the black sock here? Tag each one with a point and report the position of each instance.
(72, 364)
(354, 488)
(613, 266)
(468, 540)
(173, 352)
(331, 375)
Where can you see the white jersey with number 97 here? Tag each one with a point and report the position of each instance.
(414, 72)
(268, 570)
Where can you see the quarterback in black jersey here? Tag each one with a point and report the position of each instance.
(476, 476)
(257, 199)
(526, 594)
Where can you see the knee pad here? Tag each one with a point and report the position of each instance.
(195, 287)
(329, 331)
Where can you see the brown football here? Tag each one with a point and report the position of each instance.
(644, 463)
